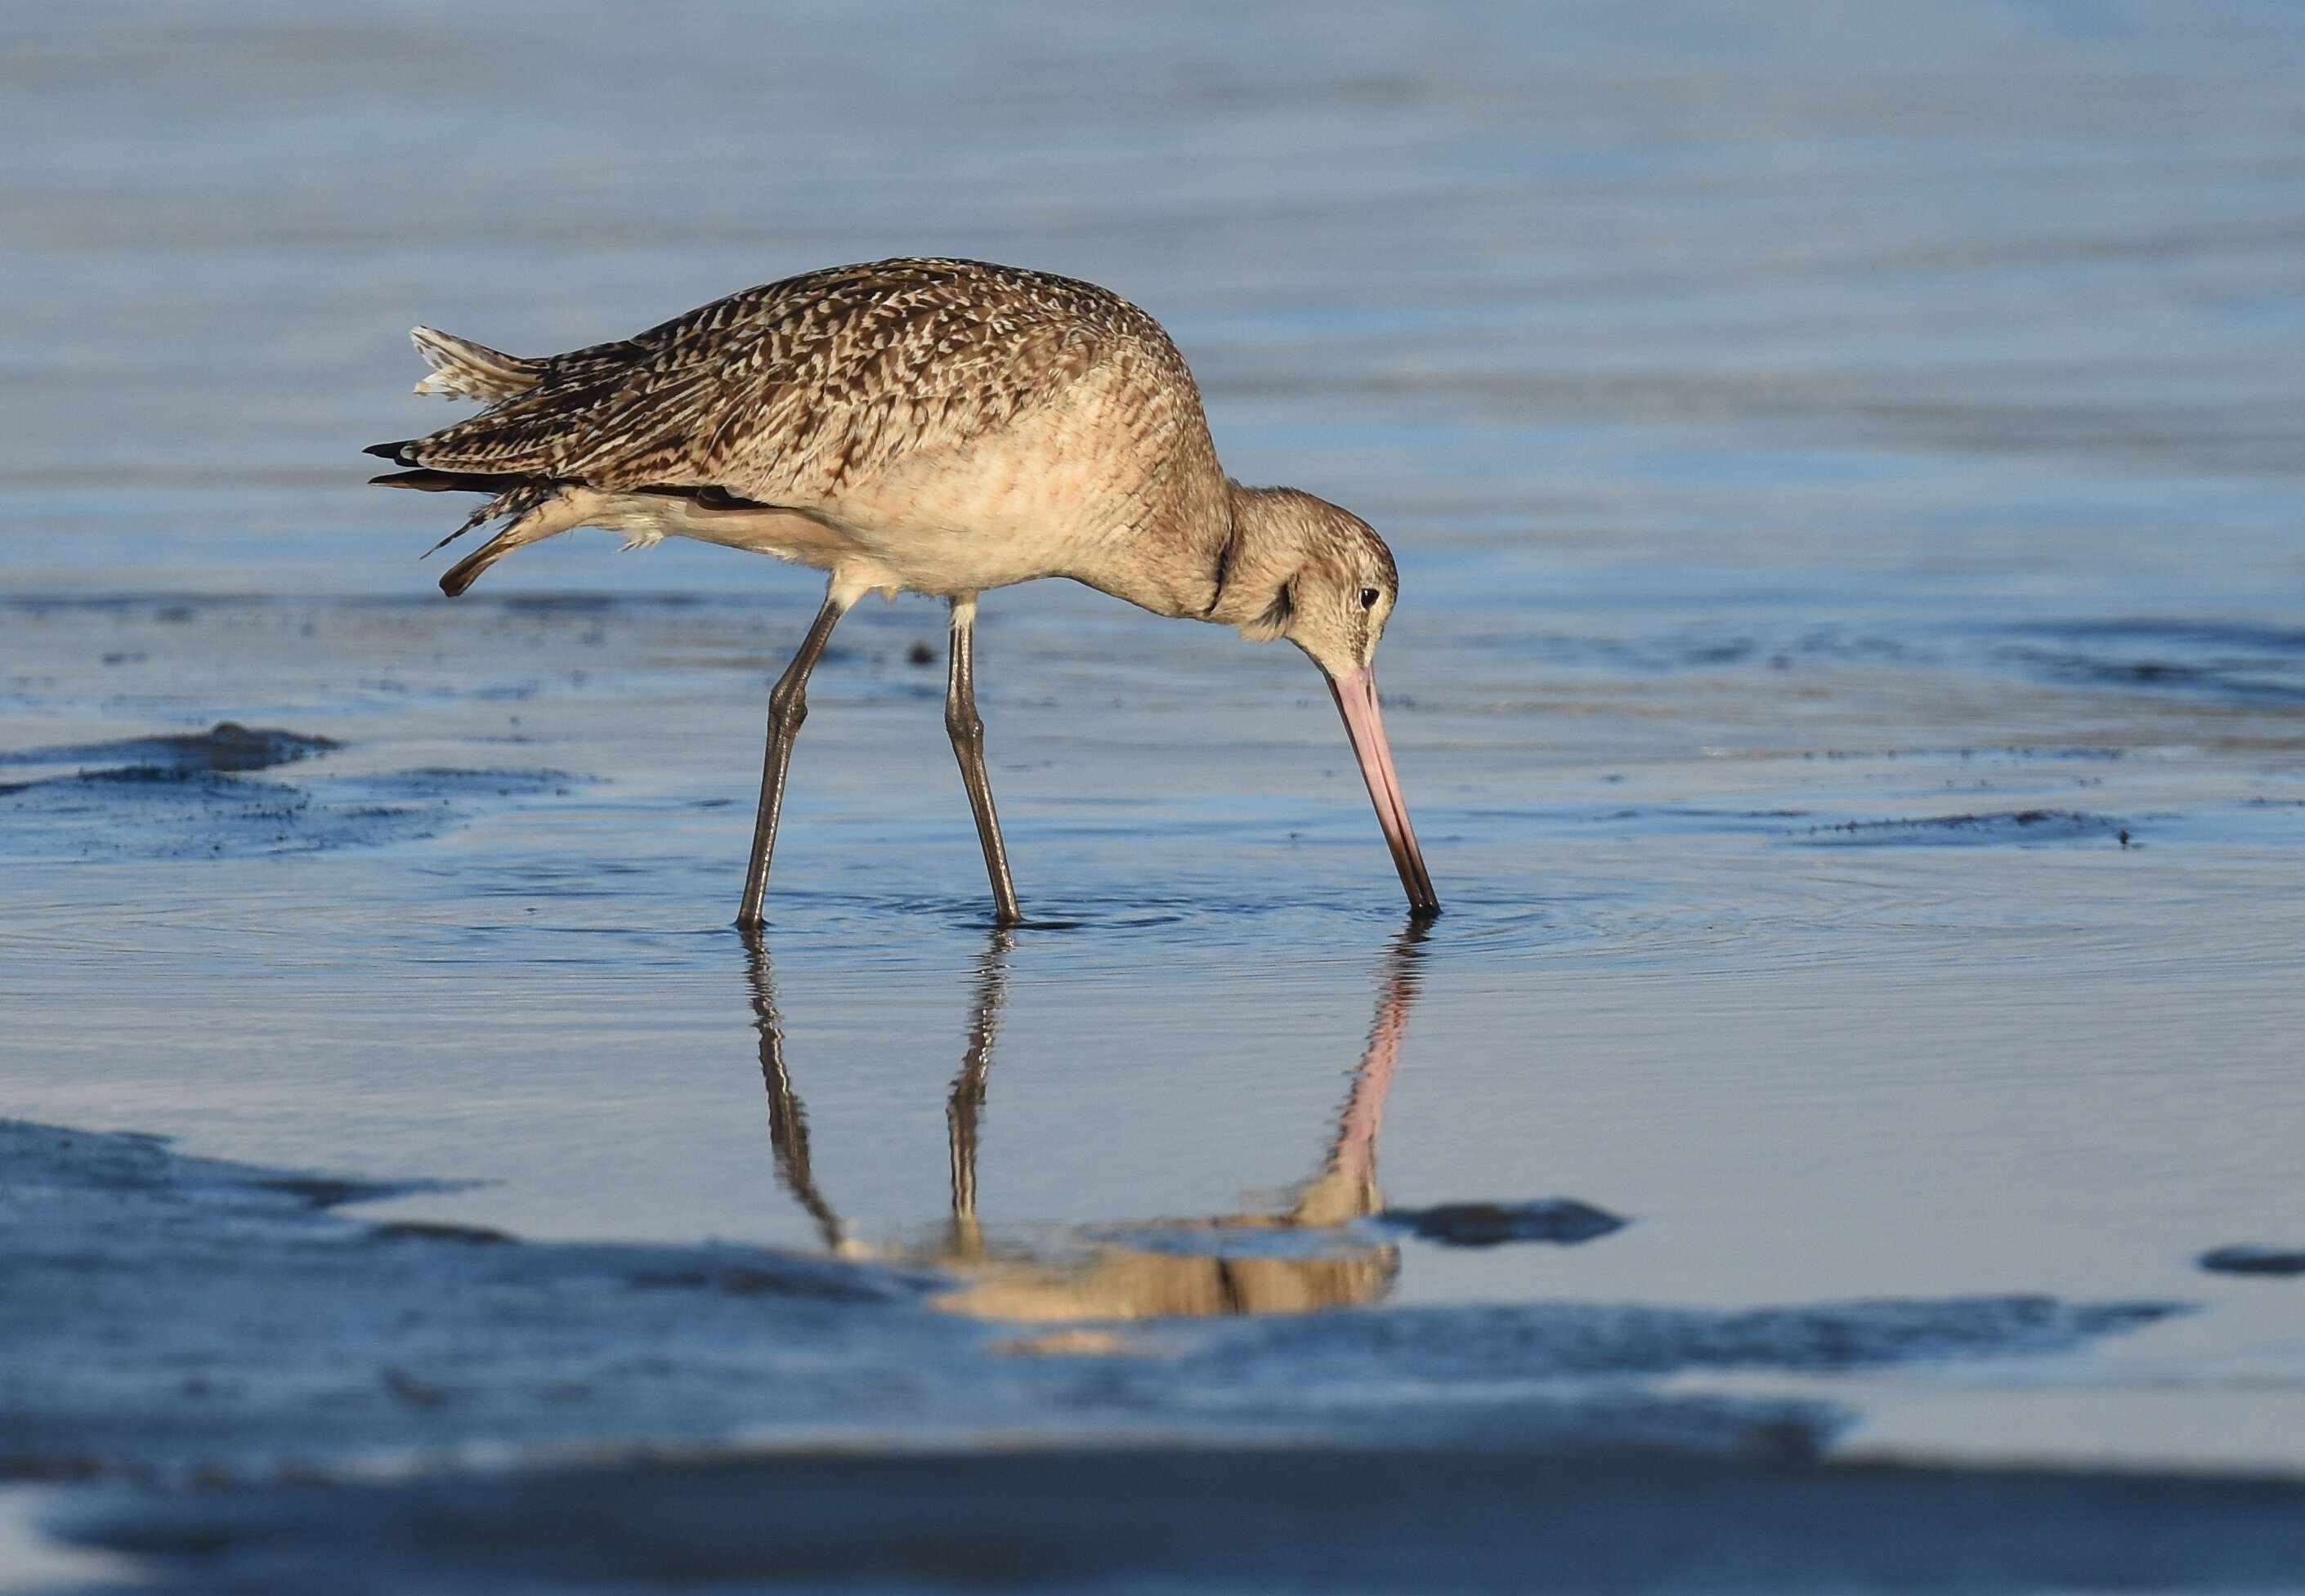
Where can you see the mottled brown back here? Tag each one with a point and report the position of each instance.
(786, 393)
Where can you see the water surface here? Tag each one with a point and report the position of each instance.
(1849, 681)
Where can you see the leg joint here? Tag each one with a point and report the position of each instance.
(788, 706)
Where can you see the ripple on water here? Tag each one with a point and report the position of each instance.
(1088, 938)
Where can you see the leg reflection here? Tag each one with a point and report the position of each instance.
(1345, 1187)
(787, 1120)
(967, 1102)
(1103, 1274)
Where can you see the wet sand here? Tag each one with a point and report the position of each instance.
(1850, 681)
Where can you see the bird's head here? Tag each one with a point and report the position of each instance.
(1302, 569)
(1326, 581)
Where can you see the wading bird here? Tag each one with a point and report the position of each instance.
(928, 426)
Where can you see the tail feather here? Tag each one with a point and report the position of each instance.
(533, 509)
(463, 369)
(539, 510)
(432, 482)
(515, 501)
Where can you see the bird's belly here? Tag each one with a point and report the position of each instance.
(788, 534)
(1002, 512)
(889, 545)
(999, 511)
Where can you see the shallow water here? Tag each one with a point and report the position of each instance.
(1850, 684)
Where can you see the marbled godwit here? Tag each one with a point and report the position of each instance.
(940, 427)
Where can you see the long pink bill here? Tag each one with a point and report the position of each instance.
(1355, 696)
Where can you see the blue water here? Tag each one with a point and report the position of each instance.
(1816, 439)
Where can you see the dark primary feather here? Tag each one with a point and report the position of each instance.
(432, 482)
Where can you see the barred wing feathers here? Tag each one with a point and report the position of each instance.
(784, 393)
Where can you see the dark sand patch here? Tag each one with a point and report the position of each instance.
(2219, 661)
(1414, 1519)
(1467, 1344)
(2024, 825)
(442, 785)
(170, 1315)
(2254, 1260)
(189, 810)
(226, 746)
(1562, 1220)
(158, 813)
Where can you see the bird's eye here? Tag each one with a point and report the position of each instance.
(1369, 597)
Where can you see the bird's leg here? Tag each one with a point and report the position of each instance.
(960, 719)
(788, 707)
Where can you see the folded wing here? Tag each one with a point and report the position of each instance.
(788, 393)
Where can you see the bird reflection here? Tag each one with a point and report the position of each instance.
(1241, 1263)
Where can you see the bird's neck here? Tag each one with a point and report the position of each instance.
(1221, 557)
(1254, 558)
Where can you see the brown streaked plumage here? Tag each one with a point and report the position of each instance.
(931, 426)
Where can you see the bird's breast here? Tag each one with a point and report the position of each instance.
(1038, 499)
